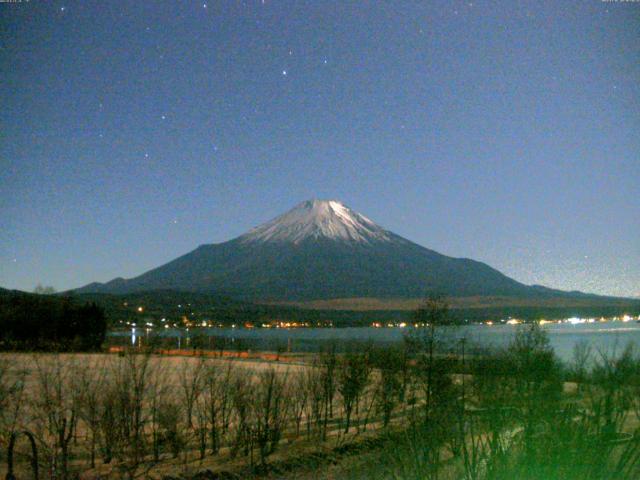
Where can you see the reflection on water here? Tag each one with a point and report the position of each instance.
(609, 336)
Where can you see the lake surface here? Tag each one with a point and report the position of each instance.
(610, 336)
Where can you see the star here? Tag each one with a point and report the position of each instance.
(62, 9)
(204, 5)
(325, 61)
(146, 155)
(164, 117)
(284, 72)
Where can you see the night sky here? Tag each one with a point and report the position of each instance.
(133, 131)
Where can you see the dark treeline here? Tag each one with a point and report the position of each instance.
(223, 310)
(46, 322)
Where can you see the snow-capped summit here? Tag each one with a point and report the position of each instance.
(318, 219)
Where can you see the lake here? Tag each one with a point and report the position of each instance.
(611, 336)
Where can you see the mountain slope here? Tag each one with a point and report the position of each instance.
(321, 250)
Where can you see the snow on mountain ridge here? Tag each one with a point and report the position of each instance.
(318, 219)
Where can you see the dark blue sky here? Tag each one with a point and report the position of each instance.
(508, 132)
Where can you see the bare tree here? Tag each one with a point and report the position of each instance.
(298, 395)
(432, 314)
(44, 290)
(89, 384)
(329, 363)
(270, 411)
(55, 407)
(216, 403)
(12, 390)
(125, 417)
(191, 385)
(353, 375)
(169, 416)
(159, 389)
(315, 391)
(390, 363)
(242, 398)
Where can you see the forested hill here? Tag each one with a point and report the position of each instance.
(48, 322)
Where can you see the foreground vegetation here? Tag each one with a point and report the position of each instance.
(426, 409)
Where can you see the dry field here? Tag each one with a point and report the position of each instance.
(132, 415)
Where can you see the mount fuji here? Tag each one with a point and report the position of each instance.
(322, 250)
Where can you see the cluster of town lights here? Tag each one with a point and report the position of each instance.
(186, 323)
